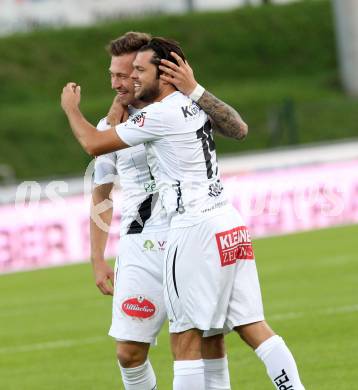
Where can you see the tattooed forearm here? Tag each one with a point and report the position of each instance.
(227, 121)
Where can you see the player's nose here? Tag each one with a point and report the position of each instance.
(134, 75)
(116, 83)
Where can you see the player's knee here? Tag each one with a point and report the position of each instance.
(131, 355)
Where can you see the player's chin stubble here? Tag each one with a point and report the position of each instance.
(148, 94)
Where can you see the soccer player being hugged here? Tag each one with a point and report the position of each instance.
(138, 303)
(211, 284)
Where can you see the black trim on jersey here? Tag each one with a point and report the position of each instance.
(150, 173)
(208, 145)
(166, 278)
(143, 214)
(173, 271)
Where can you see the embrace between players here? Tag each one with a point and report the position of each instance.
(185, 253)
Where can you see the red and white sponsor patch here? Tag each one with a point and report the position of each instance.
(234, 244)
(138, 307)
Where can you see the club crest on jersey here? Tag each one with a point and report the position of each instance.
(139, 119)
(190, 110)
(233, 245)
(215, 189)
(139, 307)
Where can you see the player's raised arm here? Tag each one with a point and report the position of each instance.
(94, 142)
(226, 120)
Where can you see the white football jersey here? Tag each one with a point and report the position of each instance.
(139, 206)
(181, 154)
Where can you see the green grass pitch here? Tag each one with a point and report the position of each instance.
(53, 322)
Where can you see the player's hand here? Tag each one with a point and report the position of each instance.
(182, 76)
(71, 96)
(117, 113)
(104, 276)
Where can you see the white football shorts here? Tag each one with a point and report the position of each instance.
(210, 276)
(138, 303)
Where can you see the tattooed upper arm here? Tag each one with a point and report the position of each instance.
(226, 120)
(214, 126)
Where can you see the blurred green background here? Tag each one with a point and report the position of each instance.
(275, 64)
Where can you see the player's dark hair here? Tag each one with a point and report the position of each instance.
(128, 43)
(162, 48)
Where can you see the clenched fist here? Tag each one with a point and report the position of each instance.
(71, 96)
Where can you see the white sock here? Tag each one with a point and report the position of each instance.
(189, 375)
(280, 364)
(217, 374)
(139, 378)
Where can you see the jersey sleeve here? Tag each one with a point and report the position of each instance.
(145, 126)
(105, 169)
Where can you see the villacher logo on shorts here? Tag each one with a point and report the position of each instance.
(234, 244)
(138, 307)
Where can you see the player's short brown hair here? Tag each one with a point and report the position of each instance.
(128, 43)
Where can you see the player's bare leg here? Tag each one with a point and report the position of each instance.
(255, 334)
(213, 347)
(216, 366)
(186, 345)
(188, 362)
(137, 372)
(192, 352)
(272, 350)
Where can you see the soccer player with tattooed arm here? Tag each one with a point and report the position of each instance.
(138, 302)
(211, 284)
